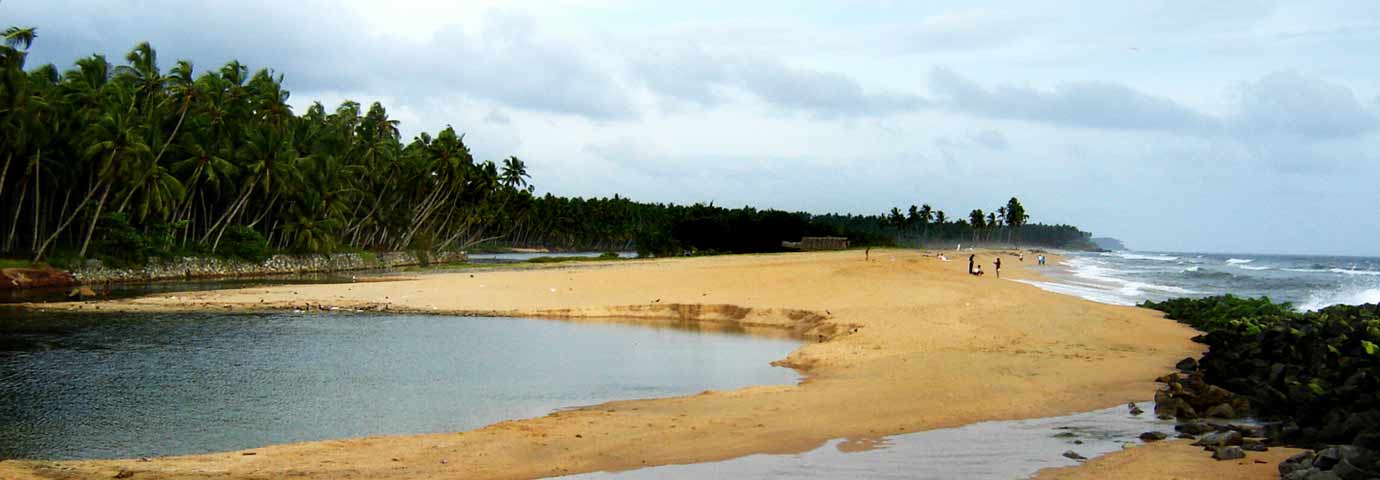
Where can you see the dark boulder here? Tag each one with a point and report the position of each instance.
(1219, 439)
(1074, 455)
(1189, 364)
(1228, 453)
(1153, 436)
(1193, 428)
(1254, 444)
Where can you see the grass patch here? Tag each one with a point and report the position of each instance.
(19, 263)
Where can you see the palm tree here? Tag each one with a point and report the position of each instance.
(977, 220)
(515, 173)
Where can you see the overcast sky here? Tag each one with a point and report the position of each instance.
(1222, 126)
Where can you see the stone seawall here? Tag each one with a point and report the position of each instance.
(183, 268)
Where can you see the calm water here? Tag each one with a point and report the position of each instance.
(1127, 278)
(981, 451)
(101, 386)
(131, 290)
(518, 257)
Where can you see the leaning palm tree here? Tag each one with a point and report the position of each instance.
(515, 173)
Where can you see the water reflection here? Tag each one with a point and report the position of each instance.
(119, 385)
(990, 450)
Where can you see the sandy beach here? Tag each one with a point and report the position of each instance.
(902, 343)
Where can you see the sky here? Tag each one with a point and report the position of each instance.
(1223, 126)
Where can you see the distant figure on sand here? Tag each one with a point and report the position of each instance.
(998, 269)
(943, 258)
(1041, 258)
(977, 270)
(970, 263)
(867, 254)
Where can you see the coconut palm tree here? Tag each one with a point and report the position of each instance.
(515, 173)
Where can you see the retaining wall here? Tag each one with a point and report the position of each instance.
(206, 267)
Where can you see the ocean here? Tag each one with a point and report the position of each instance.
(1130, 277)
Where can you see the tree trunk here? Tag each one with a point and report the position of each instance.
(38, 193)
(4, 170)
(38, 252)
(19, 208)
(94, 220)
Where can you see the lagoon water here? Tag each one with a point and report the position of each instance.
(118, 385)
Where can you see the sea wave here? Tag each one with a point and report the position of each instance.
(1249, 267)
(1353, 272)
(1238, 261)
(1086, 292)
(1142, 256)
(1350, 296)
(1199, 272)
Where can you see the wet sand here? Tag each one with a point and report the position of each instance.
(898, 344)
(1173, 460)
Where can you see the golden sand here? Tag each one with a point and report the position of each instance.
(902, 343)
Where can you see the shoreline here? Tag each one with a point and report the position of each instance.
(1022, 353)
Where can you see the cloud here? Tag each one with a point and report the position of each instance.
(989, 138)
(962, 30)
(1082, 104)
(700, 77)
(506, 59)
(1289, 103)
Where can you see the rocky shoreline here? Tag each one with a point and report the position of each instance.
(193, 268)
(1311, 374)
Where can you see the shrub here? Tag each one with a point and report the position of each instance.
(244, 243)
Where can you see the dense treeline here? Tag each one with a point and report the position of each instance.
(925, 226)
(127, 161)
(133, 160)
(619, 223)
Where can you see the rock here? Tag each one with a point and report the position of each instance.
(1219, 439)
(1213, 395)
(1193, 428)
(1298, 475)
(1250, 430)
(1135, 409)
(124, 474)
(1186, 436)
(1328, 457)
(1187, 365)
(1222, 410)
(1153, 436)
(1227, 453)
(81, 293)
(1321, 475)
(1254, 444)
(1347, 470)
(1074, 455)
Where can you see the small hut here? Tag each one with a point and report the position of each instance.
(810, 244)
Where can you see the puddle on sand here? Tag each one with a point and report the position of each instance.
(989, 450)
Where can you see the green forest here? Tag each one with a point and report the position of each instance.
(123, 161)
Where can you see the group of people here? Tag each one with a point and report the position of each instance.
(975, 269)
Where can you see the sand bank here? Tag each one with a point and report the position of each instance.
(901, 343)
(1173, 460)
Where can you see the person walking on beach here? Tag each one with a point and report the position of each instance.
(970, 263)
(998, 269)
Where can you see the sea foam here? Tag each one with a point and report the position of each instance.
(1351, 296)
